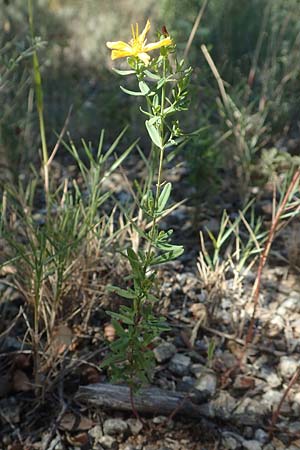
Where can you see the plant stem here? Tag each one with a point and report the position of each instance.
(40, 105)
(265, 254)
(161, 160)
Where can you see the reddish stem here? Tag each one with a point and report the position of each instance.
(275, 414)
(265, 254)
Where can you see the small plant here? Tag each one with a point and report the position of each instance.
(234, 250)
(52, 226)
(163, 82)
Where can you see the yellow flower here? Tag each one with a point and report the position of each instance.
(137, 46)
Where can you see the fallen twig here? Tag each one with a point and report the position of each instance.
(148, 400)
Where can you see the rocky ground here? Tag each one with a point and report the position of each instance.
(203, 357)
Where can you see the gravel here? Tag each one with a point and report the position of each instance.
(180, 364)
(114, 427)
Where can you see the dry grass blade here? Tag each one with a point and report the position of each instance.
(194, 29)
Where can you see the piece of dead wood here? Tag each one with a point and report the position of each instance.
(148, 400)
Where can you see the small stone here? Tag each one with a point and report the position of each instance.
(297, 398)
(248, 432)
(261, 436)
(207, 382)
(274, 326)
(96, 433)
(179, 364)
(189, 381)
(294, 427)
(250, 411)
(108, 442)
(271, 398)
(222, 406)
(164, 352)
(269, 447)
(278, 444)
(243, 382)
(292, 303)
(252, 445)
(135, 426)
(271, 377)
(287, 366)
(295, 324)
(197, 369)
(295, 445)
(114, 426)
(229, 443)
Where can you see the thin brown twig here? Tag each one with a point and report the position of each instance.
(265, 254)
(194, 29)
(134, 410)
(276, 412)
(54, 151)
(11, 326)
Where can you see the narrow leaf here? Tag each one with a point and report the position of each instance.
(154, 134)
(121, 292)
(123, 72)
(127, 91)
(164, 197)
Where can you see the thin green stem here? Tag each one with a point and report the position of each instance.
(160, 165)
(40, 105)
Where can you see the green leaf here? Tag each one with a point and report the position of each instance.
(137, 94)
(154, 134)
(119, 329)
(123, 318)
(164, 197)
(121, 292)
(161, 82)
(124, 72)
(176, 251)
(144, 88)
(151, 75)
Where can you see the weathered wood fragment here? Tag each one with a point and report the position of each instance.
(148, 400)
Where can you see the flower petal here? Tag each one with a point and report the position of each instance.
(142, 36)
(119, 45)
(115, 54)
(144, 57)
(163, 43)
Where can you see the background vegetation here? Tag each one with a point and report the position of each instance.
(254, 45)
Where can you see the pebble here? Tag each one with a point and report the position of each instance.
(207, 382)
(271, 377)
(261, 436)
(294, 427)
(96, 433)
(251, 408)
(295, 324)
(135, 426)
(197, 369)
(222, 406)
(252, 445)
(292, 303)
(243, 382)
(164, 352)
(229, 443)
(108, 442)
(296, 402)
(287, 366)
(275, 326)
(248, 432)
(114, 426)
(271, 398)
(179, 364)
